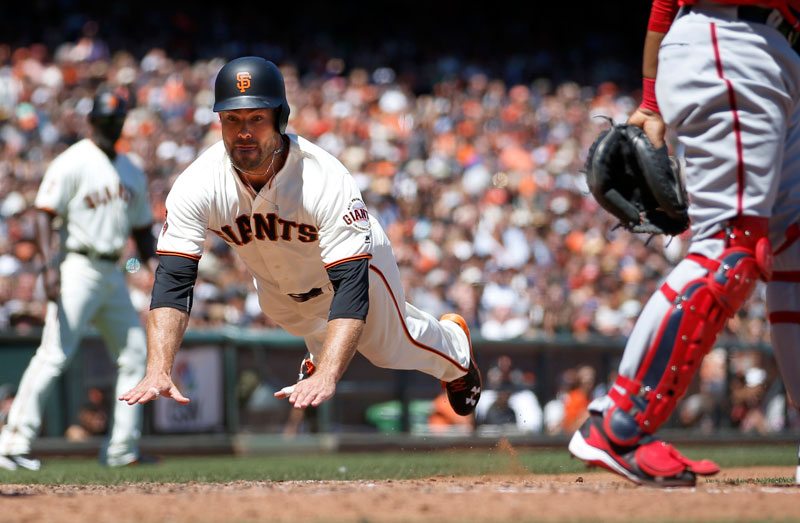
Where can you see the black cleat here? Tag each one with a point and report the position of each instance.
(463, 393)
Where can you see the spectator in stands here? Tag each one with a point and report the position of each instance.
(747, 394)
(92, 417)
(475, 176)
(508, 400)
(443, 419)
(580, 383)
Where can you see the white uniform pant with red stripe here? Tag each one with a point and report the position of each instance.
(731, 91)
(397, 335)
(90, 291)
(783, 304)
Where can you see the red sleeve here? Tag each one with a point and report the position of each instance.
(661, 15)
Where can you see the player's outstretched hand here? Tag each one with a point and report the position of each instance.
(309, 392)
(153, 387)
(651, 123)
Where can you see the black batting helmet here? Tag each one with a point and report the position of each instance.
(252, 82)
(108, 105)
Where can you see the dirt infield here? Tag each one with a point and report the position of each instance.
(734, 495)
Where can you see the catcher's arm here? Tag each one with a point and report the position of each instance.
(647, 116)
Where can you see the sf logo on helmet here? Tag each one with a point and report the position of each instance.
(243, 81)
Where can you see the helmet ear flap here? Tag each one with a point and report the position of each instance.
(281, 118)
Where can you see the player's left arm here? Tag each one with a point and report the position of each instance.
(346, 319)
(346, 248)
(341, 340)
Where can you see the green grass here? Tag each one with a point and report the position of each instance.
(352, 466)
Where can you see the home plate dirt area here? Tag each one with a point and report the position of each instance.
(744, 494)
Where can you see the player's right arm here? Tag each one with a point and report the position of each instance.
(165, 330)
(57, 189)
(180, 246)
(43, 228)
(647, 115)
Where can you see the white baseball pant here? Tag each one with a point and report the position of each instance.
(90, 291)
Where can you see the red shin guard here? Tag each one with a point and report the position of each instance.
(698, 313)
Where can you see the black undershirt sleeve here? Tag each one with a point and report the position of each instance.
(174, 283)
(145, 242)
(350, 290)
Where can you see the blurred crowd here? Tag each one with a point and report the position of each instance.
(477, 181)
(735, 390)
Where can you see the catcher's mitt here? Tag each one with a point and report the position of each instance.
(635, 182)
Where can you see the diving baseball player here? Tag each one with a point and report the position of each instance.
(728, 84)
(101, 198)
(323, 267)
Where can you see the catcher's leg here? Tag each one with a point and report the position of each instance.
(783, 290)
(662, 357)
(783, 303)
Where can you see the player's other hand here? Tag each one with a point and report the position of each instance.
(309, 392)
(52, 283)
(152, 387)
(651, 123)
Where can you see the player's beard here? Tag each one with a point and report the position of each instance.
(249, 162)
(255, 161)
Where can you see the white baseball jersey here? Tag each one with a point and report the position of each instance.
(311, 217)
(101, 201)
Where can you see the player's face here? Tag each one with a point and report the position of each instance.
(250, 137)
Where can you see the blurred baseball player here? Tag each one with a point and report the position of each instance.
(728, 84)
(323, 267)
(101, 198)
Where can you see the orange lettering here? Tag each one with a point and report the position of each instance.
(243, 81)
